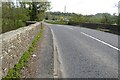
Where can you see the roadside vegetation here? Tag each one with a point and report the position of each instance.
(104, 18)
(100, 21)
(15, 16)
(16, 71)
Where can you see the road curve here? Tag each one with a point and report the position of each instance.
(86, 53)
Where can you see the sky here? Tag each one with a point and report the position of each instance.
(85, 7)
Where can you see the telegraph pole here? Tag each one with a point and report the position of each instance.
(119, 13)
(64, 11)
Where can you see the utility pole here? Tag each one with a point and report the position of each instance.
(119, 13)
(64, 11)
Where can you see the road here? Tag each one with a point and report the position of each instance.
(86, 53)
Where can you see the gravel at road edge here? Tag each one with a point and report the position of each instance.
(41, 64)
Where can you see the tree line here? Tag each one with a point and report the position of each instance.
(15, 15)
(104, 18)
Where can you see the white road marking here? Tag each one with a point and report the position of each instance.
(71, 28)
(101, 41)
(58, 71)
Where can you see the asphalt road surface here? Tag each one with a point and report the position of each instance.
(86, 53)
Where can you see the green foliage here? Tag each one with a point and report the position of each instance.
(14, 17)
(33, 16)
(41, 16)
(104, 18)
(38, 10)
(16, 71)
(78, 18)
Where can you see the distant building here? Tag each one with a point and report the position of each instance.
(119, 7)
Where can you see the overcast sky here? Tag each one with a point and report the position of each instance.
(85, 6)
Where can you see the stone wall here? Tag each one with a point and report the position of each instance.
(15, 43)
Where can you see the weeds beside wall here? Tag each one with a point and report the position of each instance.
(15, 43)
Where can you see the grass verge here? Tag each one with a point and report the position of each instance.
(16, 71)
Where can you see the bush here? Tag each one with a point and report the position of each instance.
(13, 18)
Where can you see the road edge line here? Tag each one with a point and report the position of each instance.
(57, 71)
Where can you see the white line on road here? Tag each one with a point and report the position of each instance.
(58, 63)
(70, 28)
(101, 41)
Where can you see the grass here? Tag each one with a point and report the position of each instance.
(15, 73)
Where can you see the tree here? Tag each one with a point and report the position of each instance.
(106, 18)
(38, 10)
(13, 16)
(33, 16)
